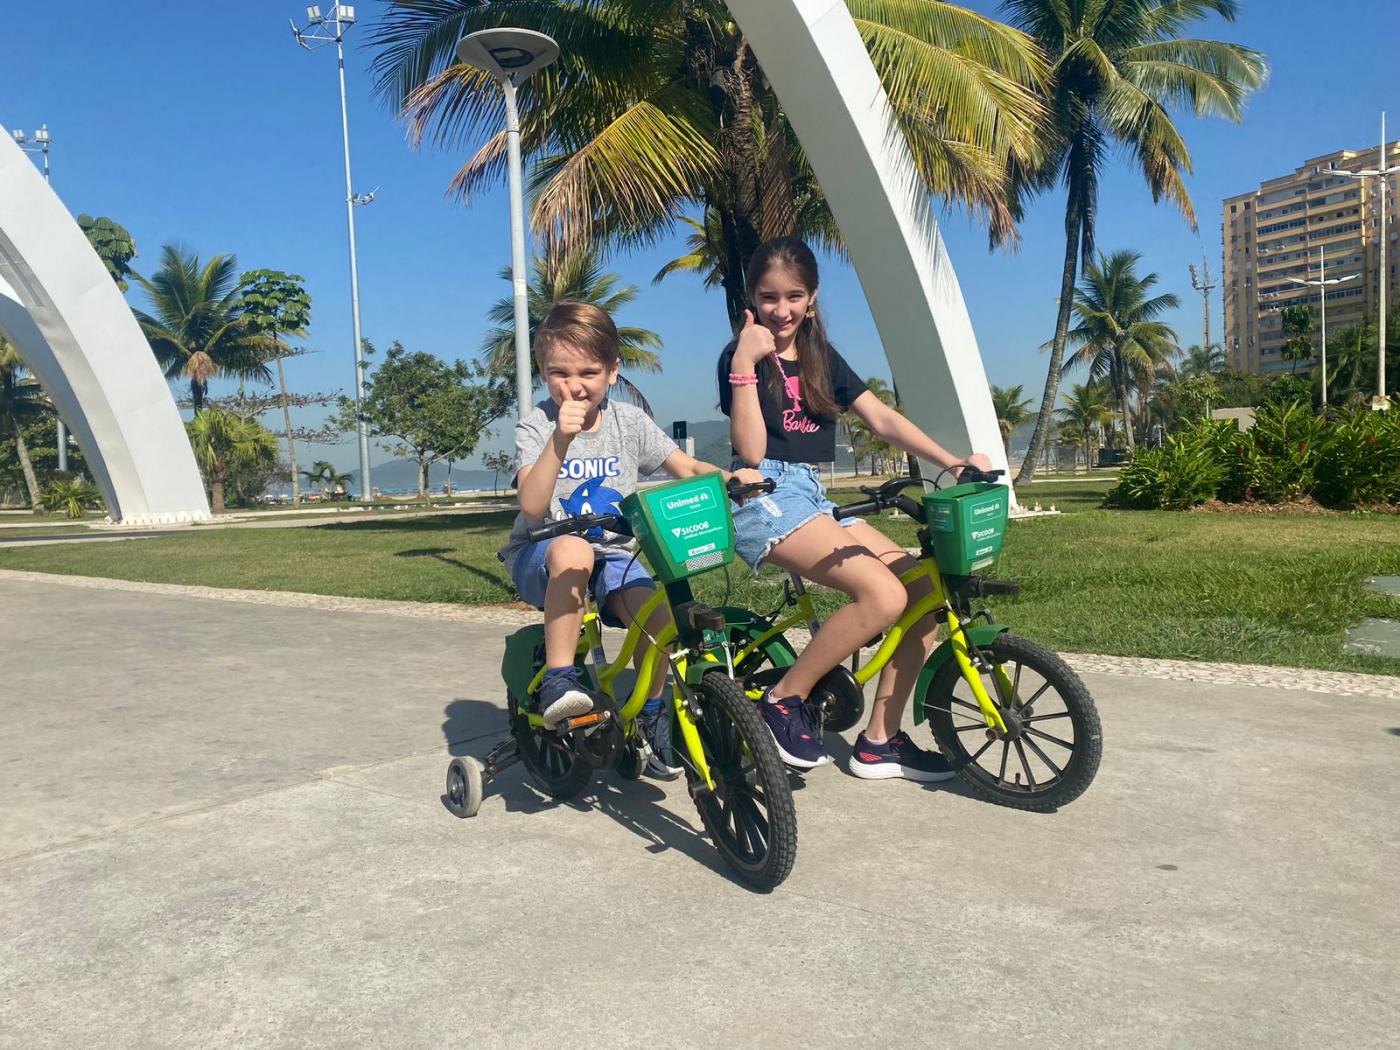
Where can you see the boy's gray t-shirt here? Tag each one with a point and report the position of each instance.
(599, 470)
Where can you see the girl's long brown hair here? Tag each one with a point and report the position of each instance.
(814, 351)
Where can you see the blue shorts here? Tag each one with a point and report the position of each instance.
(762, 522)
(611, 573)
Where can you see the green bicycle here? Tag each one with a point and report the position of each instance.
(1013, 719)
(732, 769)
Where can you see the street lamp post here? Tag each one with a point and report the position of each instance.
(1322, 283)
(40, 145)
(1380, 173)
(511, 56)
(320, 31)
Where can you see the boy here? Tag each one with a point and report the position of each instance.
(581, 453)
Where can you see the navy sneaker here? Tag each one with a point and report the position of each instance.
(797, 734)
(898, 758)
(562, 696)
(656, 727)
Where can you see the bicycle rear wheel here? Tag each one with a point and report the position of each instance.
(553, 764)
(1051, 752)
(749, 815)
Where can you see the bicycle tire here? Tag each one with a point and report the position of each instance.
(553, 764)
(944, 707)
(750, 816)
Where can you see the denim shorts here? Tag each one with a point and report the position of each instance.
(764, 521)
(612, 572)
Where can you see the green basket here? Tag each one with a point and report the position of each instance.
(966, 525)
(683, 527)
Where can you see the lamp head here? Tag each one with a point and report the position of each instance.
(509, 54)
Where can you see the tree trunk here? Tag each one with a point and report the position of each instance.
(422, 477)
(287, 422)
(26, 465)
(1073, 233)
(196, 395)
(216, 490)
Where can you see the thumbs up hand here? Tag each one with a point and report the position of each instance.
(755, 343)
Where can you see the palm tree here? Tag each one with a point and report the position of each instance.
(1088, 409)
(196, 328)
(1297, 323)
(1202, 361)
(1012, 412)
(222, 442)
(579, 278)
(21, 400)
(1118, 67)
(1117, 336)
(319, 474)
(659, 107)
(705, 256)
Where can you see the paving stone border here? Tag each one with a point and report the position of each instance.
(1334, 683)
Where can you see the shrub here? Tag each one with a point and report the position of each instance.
(1183, 472)
(1287, 442)
(1360, 461)
(72, 495)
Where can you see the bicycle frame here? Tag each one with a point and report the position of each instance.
(937, 599)
(606, 674)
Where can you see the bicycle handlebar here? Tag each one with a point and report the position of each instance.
(739, 491)
(583, 523)
(891, 494)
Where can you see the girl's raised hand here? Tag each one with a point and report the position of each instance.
(755, 343)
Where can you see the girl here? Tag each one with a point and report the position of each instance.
(783, 387)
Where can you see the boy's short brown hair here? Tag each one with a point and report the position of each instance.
(580, 325)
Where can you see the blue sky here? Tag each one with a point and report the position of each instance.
(204, 123)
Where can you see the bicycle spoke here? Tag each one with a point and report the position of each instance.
(757, 824)
(964, 703)
(1016, 683)
(1038, 694)
(1046, 736)
(1021, 753)
(1005, 752)
(974, 725)
(980, 750)
(1042, 718)
(1043, 756)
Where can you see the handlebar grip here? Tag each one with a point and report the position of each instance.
(974, 474)
(738, 490)
(567, 526)
(856, 510)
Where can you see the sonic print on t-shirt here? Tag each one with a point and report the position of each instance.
(592, 497)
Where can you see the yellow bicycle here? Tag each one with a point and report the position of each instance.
(1013, 719)
(732, 768)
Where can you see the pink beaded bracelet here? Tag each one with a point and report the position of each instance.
(743, 378)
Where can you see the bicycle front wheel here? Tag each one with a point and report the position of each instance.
(749, 815)
(1053, 744)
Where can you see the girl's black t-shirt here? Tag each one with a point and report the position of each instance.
(794, 435)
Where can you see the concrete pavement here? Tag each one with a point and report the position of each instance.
(221, 826)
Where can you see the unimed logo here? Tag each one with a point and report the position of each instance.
(986, 508)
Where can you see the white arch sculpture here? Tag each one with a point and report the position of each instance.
(847, 129)
(63, 313)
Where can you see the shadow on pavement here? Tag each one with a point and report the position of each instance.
(475, 726)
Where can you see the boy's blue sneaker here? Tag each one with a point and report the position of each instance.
(797, 734)
(562, 696)
(898, 758)
(656, 727)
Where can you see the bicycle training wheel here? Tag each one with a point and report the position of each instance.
(749, 815)
(1053, 744)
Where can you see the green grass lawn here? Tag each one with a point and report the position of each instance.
(1228, 587)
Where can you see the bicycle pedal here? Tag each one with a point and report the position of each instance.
(593, 718)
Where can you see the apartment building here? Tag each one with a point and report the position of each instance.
(1279, 231)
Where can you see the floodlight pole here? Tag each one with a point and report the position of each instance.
(336, 23)
(41, 146)
(1380, 173)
